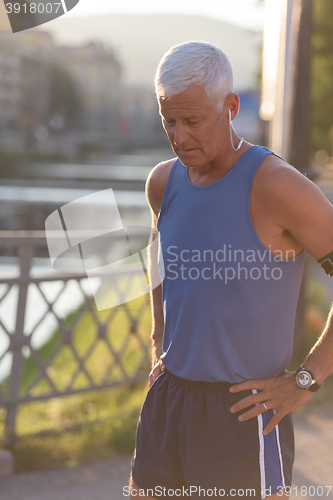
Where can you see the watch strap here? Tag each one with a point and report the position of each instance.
(315, 387)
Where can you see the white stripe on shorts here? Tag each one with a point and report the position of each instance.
(280, 454)
(261, 453)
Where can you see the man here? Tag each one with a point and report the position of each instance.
(234, 220)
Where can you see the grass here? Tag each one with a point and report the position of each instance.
(113, 415)
(109, 416)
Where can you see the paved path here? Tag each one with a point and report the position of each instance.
(98, 481)
(105, 480)
(314, 451)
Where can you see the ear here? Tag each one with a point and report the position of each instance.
(232, 103)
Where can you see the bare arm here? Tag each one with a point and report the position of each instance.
(320, 359)
(303, 216)
(157, 313)
(154, 191)
(307, 215)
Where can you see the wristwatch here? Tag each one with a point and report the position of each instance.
(305, 380)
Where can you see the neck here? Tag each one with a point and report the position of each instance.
(214, 170)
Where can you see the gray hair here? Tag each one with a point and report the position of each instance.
(195, 63)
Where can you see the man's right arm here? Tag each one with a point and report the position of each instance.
(155, 186)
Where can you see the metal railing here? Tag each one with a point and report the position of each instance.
(25, 245)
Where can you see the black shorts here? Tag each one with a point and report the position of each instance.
(188, 444)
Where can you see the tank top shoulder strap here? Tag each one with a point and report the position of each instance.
(256, 156)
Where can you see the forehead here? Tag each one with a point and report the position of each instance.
(193, 101)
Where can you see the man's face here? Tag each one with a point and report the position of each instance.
(196, 130)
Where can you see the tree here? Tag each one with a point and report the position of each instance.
(322, 76)
(65, 99)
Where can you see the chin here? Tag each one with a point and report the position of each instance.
(190, 164)
(190, 160)
(185, 161)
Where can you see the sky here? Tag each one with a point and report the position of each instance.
(245, 13)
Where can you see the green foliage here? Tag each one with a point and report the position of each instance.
(110, 417)
(93, 425)
(322, 76)
(65, 98)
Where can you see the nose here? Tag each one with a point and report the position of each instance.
(180, 135)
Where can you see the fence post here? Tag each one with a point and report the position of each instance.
(17, 341)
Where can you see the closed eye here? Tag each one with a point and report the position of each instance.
(169, 122)
(194, 122)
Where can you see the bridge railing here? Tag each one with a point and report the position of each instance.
(18, 343)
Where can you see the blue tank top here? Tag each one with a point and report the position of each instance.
(229, 303)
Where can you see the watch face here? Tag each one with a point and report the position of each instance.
(303, 379)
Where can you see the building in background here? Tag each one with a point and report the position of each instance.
(25, 84)
(48, 92)
(71, 99)
(9, 84)
(36, 52)
(25, 78)
(97, 74)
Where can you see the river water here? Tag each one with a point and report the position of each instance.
(17, 197)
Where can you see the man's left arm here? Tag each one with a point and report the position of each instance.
(303, 212)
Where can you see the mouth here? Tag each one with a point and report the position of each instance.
(187, 150)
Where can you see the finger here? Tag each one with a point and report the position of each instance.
(248, 401)
(257, 410)
(250, 414)
(272, 423)
(248, 385)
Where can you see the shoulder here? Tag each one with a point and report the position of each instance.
(281, 183)
(156, 182)
(295, 204)
(277, 169)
